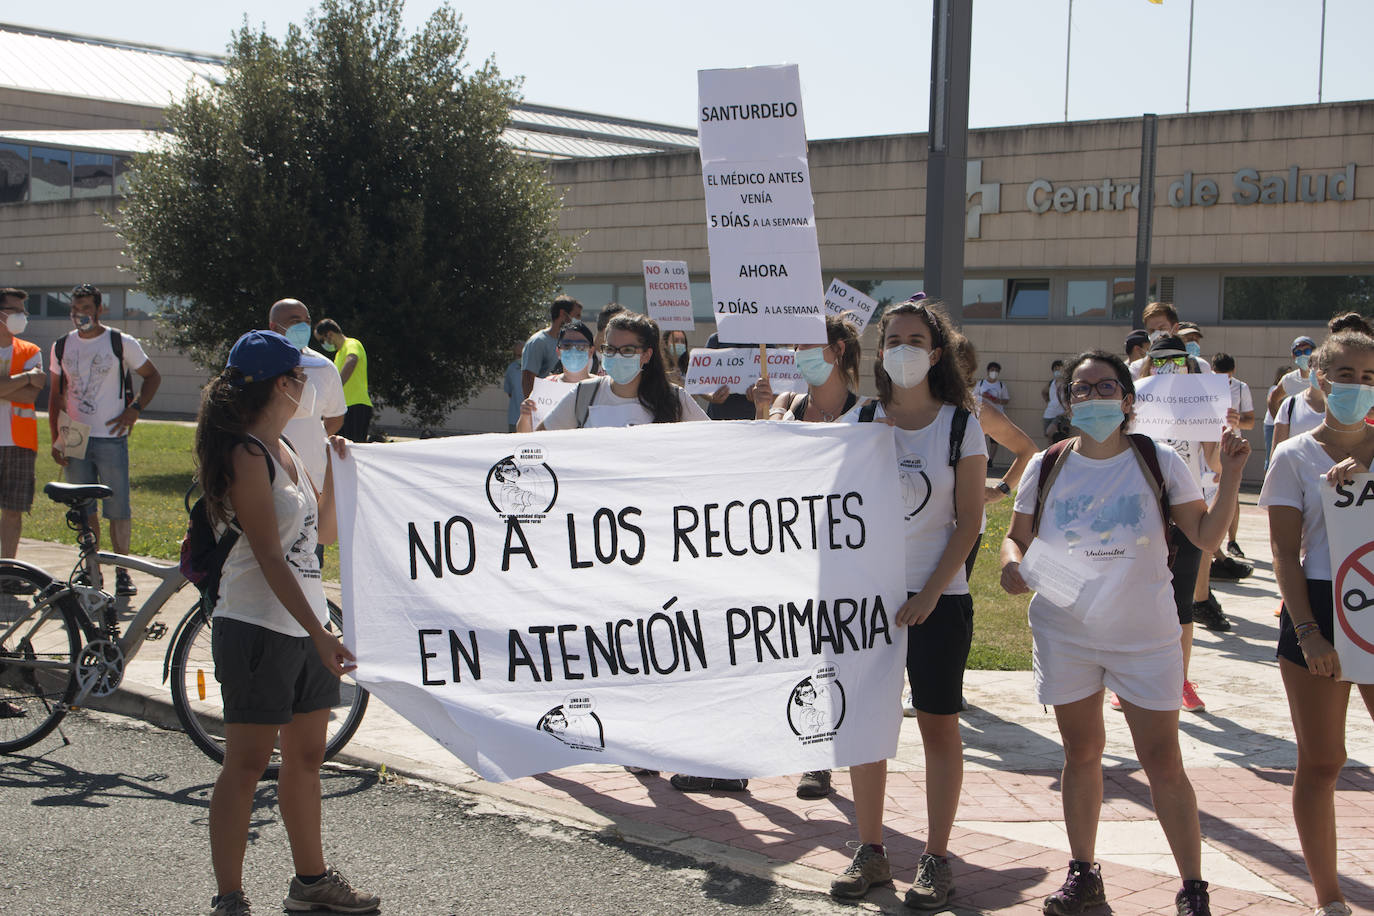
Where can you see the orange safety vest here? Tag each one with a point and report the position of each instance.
(23, 420)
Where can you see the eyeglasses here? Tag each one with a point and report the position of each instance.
(1107, 388)
(1161, 361)
(633, 350)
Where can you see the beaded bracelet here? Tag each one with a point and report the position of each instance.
(1306, 629)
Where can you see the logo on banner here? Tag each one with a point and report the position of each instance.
(522, 485)
(1354, 584)
(911, 469)
(815, 707)
(575, 723)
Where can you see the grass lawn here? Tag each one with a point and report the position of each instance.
(160, 467)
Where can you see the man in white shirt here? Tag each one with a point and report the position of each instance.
(1298, 379)
(308, 435)
(92, 383)
(993, 390)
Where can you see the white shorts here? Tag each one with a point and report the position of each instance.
(1066, 672)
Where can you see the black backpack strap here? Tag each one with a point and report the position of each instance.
(1288, 405)
(58, 349)
(1148, 456)
(958, 425)
(1050, 464)
(126, 382)
(850, 399)
(868, 412)
(583, 396)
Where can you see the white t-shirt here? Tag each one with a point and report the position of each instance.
(6, 355)
(927, 488)
(1241, 399)
(1103, 510)
(1055, 407)
(1295, 479)
(1268, 414)
(997, 389)
(243, 590)
(1299, 415)
(609, 409)
(307, 433)
(93, 378)
(1293, 383)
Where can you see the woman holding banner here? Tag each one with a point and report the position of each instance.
(1097, 512)
(1311, 668)
(942, 460)
(278, 665)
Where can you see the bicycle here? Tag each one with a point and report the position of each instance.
(61, 644)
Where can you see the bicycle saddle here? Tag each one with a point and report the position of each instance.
(73, 493)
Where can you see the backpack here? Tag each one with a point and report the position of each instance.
(1146, 457)
(126, 379)
(203, 551)
(957, 426)
(582, 399)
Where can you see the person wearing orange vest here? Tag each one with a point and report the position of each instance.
(19, 385)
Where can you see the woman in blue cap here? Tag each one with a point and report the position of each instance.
(277, 664)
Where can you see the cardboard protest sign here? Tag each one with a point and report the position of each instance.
(738, 367)
(760, 218)
(546, 394)
(727, 617)
(846, 302)
(668, 295)
(1188, 407)
(1348, 510)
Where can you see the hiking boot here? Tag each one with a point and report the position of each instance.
(1082, 888)
(684, 783)
(1191, 701)
(1192, 899)
(233, 903)
(934, 883)
(331, 893)
(1208, 613)
(1113, 700)
(124, 584)
(815, 784)
(1230, 568)
(1234, 550)
(869, 867)
(1334, 908)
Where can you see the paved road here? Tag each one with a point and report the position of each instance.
(115, 824)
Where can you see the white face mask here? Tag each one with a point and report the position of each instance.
(16, 322)
(992, 375)
(305, 407)
(906, 365)
(1155, 335)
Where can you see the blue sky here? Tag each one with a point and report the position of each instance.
(865, 66)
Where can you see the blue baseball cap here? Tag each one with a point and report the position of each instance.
(263, 354)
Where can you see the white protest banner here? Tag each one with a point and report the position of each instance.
(546, 394)
(1349, 513)
(738, 367)
(668, 295)
(1190, 407)
(844, 301)
(720, 616)
(760, 218)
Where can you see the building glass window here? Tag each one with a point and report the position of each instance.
(630, 295)
(1311, 299)
(983, 298)
(51, 174)
(14, 173)
(1028, 299)
(1086, 299)
(122, 166)
(138, 304)
(92, 175)
(56, 304)
(703, 309)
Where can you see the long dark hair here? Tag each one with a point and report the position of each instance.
(946, 378)
(656, 393)
(838, 330)
(227, 408)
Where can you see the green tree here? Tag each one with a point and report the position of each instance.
(362, 170)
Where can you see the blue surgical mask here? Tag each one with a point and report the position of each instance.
(1302, 360)
(1349, 404)
(622, 369)
(813, 367)
(675, 350)
(574, 360)
(1193, 347)
(299, 334)
(1312, 380)
(1097, 418)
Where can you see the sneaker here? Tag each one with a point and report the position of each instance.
(331, 893)
(1230, 568)
(1192, 899)
(684, 783)
(1208, 613)
(1082, 888)
(869, 867)
(10, 710)
(1191, 701)
(1234, 550)
(124, 584)
(815, 784)
(1334, 908)
(233, 903)
(933, 885)
(1113, 700)
(908, 706)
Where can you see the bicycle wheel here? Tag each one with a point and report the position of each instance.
(39, 643)
(199, 706)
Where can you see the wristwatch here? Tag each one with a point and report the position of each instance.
(1002, 486)
(137, 406)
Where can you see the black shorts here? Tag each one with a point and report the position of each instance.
(1320, 599)
(267, 677)
(972, 558)
(936, 653)
(1186, 563)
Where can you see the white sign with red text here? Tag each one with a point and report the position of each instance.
(668, 295)
(738, 367)
(847, 303)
